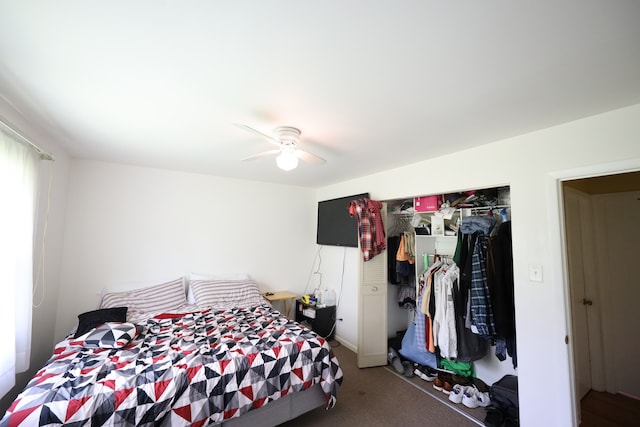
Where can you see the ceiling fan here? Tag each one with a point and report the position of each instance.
(287, 139)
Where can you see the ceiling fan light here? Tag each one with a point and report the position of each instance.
(287, 160)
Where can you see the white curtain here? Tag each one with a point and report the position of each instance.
(18, 183)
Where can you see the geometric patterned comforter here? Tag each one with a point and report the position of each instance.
(181, 370)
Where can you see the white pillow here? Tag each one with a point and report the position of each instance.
(163, 297)
(198, 276)
(226, 293)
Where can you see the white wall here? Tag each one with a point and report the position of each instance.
(531, 165)
(339, 268)
(129, 224)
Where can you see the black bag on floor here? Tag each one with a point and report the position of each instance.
(504, 408)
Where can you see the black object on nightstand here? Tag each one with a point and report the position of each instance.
(319, 320)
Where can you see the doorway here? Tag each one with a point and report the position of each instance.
(600, 253)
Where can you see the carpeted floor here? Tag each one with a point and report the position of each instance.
(380, 397)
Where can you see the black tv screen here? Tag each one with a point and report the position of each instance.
(335, 226)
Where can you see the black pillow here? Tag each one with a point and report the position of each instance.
(91, 319)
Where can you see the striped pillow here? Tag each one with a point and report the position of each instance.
(197, 276)
(226, 293)
(162, 297)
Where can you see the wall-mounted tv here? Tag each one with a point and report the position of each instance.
(335, 226)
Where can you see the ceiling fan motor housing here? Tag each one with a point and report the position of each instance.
(287, 135)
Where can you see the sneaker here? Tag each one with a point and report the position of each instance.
(425, 373)
(457, 391)
(483, 399)
(472, 398)
(469, 399)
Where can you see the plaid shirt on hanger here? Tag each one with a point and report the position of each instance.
(370, 228)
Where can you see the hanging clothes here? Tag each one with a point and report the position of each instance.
(481, 309)
(410, 245)
(444, 323)
(427, 304)
(500, 280)
(501, 288)
(404, 276)
(405, 263)
(471, 346)
(420, 333)
(407, 296)
(393, 242)
(405, 249)
(475, 230)
(370, 226)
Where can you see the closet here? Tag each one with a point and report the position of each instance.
(442, 229)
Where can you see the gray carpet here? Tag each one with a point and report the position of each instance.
(380, 397)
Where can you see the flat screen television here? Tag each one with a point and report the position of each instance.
(335, 226)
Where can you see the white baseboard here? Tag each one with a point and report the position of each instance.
(347, 344)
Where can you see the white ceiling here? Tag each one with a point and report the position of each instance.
(372, 84)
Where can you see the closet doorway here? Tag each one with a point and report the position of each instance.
(602, 228)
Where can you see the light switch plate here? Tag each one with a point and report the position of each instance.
(535, 272)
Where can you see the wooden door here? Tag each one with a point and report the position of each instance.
(581, 302)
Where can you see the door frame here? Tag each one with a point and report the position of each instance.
(555, 202)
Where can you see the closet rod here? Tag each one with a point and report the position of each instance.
(43, 154)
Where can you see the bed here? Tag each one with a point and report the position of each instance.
(219, 355)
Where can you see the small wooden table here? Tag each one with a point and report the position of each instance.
(286, 297)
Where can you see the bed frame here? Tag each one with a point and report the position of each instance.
(279, 411)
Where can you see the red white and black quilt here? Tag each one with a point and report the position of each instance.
(188, 369)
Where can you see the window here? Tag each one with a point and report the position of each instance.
(18, 181)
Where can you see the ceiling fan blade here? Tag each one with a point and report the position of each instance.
(257, 132)
(263, 154)
(308, 157)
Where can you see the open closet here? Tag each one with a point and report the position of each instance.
(450, 299)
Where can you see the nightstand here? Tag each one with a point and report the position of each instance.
(319, 319)
(286, 297)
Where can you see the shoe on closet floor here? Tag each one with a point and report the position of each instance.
(480, 385)
(458, 379)
(442, 384)
(394, 360)
(408, 369)
(426, 373)
(472, 398)
(458, 391)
